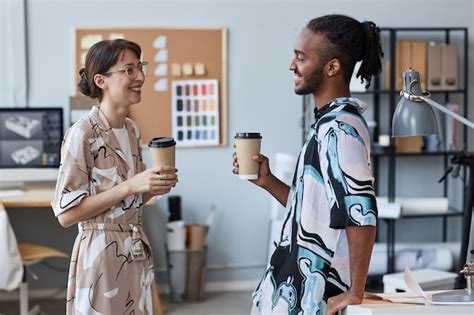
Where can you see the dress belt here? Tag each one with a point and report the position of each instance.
(137, 249)
(110, 227)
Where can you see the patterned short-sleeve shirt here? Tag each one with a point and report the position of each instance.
(332, 188)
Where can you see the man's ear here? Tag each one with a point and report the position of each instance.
(333, 67)
(100, 81)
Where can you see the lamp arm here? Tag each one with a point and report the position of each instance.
(443, 109)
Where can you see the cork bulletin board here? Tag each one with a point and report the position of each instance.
(185, 91)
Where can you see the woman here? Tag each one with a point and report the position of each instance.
(102, 185)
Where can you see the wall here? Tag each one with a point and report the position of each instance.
(13, 77)
(260, 97)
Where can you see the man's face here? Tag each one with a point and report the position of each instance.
(306, 64)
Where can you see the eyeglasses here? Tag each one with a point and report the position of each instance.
(131, 70)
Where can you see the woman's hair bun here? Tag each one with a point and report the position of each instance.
(84, 83)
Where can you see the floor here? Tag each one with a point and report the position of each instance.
(228, 303)
(222, 303)
(231, 303)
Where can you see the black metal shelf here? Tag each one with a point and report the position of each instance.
(408, 154)
(392, 94)
(452, 212)
(423, 29)
(461, 91)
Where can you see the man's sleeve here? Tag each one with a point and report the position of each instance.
(345, 164)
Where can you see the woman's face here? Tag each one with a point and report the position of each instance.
(124, 80)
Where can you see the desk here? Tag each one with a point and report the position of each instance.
(35, 196)
(379, 307)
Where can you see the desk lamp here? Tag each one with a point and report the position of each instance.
(414, 116)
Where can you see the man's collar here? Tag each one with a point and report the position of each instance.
(331, 105)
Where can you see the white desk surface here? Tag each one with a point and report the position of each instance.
(37, 196)
(374, 307)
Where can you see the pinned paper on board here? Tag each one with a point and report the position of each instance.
(199, 69)
(161, 85)
(176, 69)
(161, 55)
(160, 42)
(116, 36)
(161, 70)
(195, 112)
(88, 40)
(188, 69)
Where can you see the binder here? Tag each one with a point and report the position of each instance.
(386, 74)
(449, 68)
(434, 67)
(419, 51)
(411, 54)
(442, 67)
(402, 61)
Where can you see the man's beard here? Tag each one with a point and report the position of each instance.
(312, 84)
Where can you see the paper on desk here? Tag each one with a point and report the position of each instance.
(399, 297)
(412, 285)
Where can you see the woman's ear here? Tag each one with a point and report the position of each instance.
(100, 81)
(333, 67)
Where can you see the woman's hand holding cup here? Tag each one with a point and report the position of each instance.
(155, 181)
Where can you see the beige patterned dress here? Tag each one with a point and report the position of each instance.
(111, 269)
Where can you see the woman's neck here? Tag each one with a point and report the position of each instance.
(115, 115)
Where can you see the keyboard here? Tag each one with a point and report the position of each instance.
(11, 193)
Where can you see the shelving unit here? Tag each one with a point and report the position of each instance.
(383, 97)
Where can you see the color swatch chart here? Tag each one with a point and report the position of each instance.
(195, 112)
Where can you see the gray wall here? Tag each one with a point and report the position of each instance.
(260, 97)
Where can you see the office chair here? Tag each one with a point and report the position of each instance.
(30, 255)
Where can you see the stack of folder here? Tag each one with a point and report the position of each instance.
(436, 62)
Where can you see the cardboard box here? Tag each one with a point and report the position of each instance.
(409, 145)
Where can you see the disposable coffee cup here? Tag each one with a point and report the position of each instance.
(162, 151)
(247, 145)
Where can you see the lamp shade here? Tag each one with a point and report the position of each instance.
(413, 117)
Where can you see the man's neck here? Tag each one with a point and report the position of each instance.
(328, 94)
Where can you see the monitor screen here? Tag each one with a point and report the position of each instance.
(30, 138)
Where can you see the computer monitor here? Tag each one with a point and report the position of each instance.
(30, 142)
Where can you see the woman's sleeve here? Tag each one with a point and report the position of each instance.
(73, 182)
(140, 166)
(345, 165)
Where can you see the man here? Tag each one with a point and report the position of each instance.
(321, 262)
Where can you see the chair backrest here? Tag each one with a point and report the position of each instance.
(32, 253)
